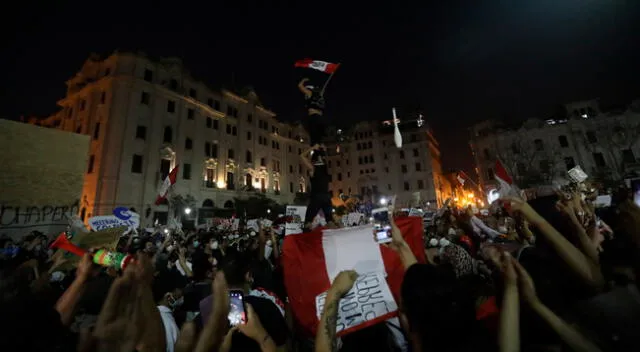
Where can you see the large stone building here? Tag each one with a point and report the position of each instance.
(370, 166)
(606, 145)
(146, 117)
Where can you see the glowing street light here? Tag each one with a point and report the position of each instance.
(268, 211)
(383, 201)
(187, 210)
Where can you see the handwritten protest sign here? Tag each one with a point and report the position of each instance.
(368, 302)
(297, 214)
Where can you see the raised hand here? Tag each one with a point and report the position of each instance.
(525, 284)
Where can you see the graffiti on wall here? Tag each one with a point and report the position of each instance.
(44, 218)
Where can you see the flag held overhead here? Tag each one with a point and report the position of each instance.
(326, 67)
(168, 182)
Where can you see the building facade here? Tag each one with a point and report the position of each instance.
(606, 145)
(147, 117)
(364, 162)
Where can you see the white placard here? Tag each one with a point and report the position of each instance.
(253, 225)
(577, 174)
(351, 219)
(102, 222)
(267, 251)
(370, 298)
(351, 249)
(297, 212)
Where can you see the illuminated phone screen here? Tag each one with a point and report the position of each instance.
(237, 314)
(381, 225)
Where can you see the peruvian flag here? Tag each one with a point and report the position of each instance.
(312, 260)
(460, 179)
(506, 187)
(168, 182)
(501, 173)
(323, 66)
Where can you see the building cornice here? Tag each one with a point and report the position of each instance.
(234, 96)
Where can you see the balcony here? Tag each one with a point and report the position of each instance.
(209, 184)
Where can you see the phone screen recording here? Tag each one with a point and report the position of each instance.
(237, 313)
(381, 225)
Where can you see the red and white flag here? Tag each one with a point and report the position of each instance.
(460, 179)
(168, 182)
(323, 66)
(312, 260)
(506, 186)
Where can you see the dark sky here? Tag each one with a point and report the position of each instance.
(458, 62)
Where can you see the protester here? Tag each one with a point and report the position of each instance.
(565, 276)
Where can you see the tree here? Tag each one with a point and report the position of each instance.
(257, 206)
(611, 136)
(179, 203)
(519, 156)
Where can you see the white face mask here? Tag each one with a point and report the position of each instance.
(269, 243)
(502, 229)
(169, 248)
(214, 245)
(252, 233)
(178, 302)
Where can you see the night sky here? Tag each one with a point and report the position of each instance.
(456, 63)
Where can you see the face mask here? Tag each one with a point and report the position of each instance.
(177, 302)
(214, 245)
(38, 247)
(269, 243)
(252, 234)
(196, 244)
(169, 248)
(502, 229)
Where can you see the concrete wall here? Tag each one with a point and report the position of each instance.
(41, 179)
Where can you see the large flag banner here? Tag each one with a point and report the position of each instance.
(169, 181)
(326, 67)
(312, 260)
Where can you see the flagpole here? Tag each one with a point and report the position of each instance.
(327, 81)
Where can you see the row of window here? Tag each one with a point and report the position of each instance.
(137, 161)
(82, 104)
(364, 190)
(538, 144)
(545, 166)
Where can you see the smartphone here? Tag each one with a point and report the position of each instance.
(237, 314)
(381, 225)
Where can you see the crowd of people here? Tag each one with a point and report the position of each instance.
(553, 273)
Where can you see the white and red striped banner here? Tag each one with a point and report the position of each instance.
(168, 182)
(312, 260)
(326, 67)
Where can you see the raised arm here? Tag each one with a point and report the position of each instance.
(306, 91)
(326, 335)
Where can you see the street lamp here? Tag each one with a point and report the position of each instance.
(187, 210)
(268, 211)
(383, 201)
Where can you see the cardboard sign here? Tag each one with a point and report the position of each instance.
(368, 302)
(297, 213)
